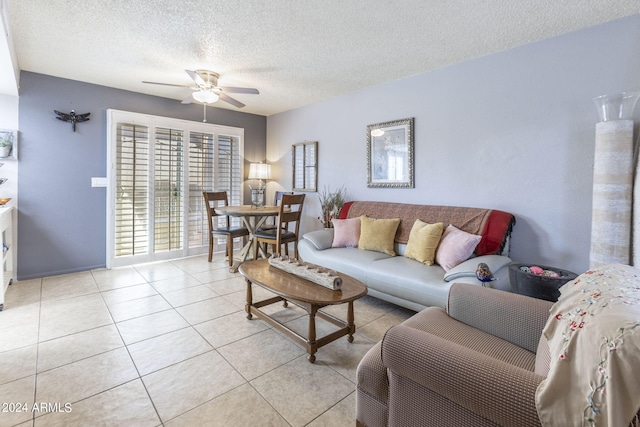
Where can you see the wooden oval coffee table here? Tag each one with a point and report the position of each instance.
(305, 294)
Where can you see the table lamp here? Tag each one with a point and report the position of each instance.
(260, 172)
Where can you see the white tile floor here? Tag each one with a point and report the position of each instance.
(169, 344)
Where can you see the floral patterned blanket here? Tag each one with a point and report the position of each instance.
(594, 340)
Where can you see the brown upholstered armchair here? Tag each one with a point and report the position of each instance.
(480, 362)
(474, 364)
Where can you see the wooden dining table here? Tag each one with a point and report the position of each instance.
(252, 218)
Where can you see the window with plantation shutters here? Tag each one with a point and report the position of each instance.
(168, 194)
(305, 166)
(229, 176)
(159, 168)
(201, 168)
(131, 189)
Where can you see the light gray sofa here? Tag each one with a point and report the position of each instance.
(404, 281)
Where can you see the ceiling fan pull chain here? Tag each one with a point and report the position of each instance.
(204, 106)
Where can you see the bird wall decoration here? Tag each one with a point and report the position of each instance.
(72, 117)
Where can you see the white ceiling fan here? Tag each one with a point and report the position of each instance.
(206, 90)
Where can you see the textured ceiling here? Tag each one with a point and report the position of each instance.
(295, 52)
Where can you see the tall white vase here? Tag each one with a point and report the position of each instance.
(612, 193)
(612, 229)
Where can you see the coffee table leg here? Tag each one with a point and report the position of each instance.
(350, 322)
(247, 307)
(313, 346)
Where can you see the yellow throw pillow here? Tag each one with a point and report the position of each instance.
(423, 241)
(378, 234)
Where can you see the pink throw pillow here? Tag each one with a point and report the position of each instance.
(455, 247)
(346, 233)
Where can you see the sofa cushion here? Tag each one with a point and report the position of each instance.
(518, 319)
(408, 279)
(423, 241)
(435, 321)
(455, 247)
(378, 234)
(501, 393)
(346, 233)
(350, 261)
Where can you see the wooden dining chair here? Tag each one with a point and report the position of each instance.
(277, 198)
(288, 226)
(212, 200)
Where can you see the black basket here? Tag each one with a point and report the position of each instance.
(538, 286)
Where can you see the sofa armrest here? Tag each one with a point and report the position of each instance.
(498, 391)
(469, 267)
(320, 239)
(516, 318)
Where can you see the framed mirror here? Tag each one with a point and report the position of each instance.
(390, 154)
(305, 166)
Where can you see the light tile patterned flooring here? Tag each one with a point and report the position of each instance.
(169, 344)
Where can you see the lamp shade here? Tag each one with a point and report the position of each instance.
(259, 171)
(205, 96)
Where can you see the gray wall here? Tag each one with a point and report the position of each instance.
(511, 131)
(61, 218)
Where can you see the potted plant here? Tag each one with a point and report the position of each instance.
(5, 147)
(331, 202)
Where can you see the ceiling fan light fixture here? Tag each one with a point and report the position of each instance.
(205, 96)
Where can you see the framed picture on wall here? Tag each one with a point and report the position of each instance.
(305, 166)
(8, 144)
(390, 154)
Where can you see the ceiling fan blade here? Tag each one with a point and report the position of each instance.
(188, 100)
(249, 90)
(230, 100)
(164, 84)
(196, 78)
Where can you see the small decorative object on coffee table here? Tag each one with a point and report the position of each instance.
(305, 294)
(538, 281)
(313, 273)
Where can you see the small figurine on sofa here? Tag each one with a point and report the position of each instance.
(484, 274)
